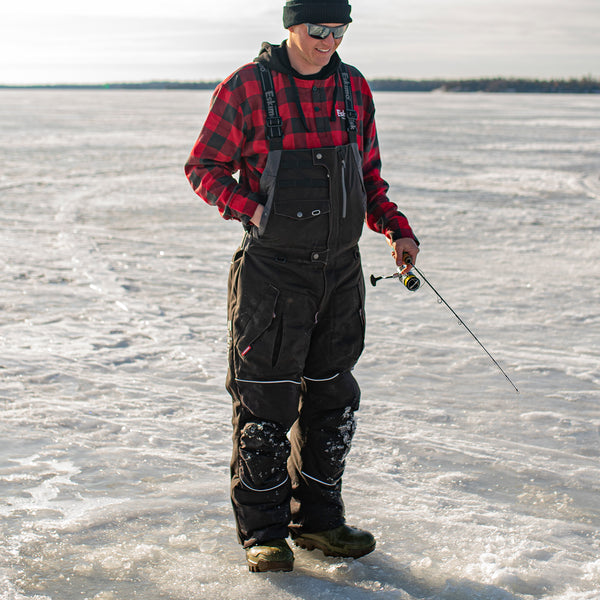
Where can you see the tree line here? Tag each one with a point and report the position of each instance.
(584, 85)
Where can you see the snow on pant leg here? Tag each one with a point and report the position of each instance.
(270, 335)
(322, 437)
(260, 484)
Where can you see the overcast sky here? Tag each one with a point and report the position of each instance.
(79, 41)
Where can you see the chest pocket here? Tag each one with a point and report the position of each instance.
(302, 190)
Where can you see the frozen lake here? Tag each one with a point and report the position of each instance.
(115, 428)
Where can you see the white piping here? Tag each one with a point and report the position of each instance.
(281, 381)
(267, 490)
(319, 481)
(327, 379)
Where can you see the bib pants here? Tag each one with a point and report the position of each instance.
(296, 325)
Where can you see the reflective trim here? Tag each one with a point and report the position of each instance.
(267, 490)
(281, 381)
(319, 481)
(326, 379)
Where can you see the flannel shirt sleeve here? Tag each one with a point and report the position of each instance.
(217, 154)
(383, 215)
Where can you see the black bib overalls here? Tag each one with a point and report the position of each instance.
(296, 318)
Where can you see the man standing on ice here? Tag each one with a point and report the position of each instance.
(298, 125)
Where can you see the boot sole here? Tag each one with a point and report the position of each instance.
(308, 544)
(265, 566)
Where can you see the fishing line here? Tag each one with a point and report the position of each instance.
(412, 283)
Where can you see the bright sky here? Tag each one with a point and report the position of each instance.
(77, 41)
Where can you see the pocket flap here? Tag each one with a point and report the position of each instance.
(259, 320)
(302, 210)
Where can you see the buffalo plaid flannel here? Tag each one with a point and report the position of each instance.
(233, 139)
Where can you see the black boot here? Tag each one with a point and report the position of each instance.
(343, 541)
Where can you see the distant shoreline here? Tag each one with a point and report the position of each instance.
(584, 85)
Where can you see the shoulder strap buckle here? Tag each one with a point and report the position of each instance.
(273, 122)
(351, 114)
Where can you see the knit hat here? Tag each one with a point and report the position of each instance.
(296, 12)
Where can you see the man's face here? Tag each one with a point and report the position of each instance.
(309, 55)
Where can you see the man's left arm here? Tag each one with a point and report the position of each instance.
(383, 215)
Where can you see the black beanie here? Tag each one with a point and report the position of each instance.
(296, 12)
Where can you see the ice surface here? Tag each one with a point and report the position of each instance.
(115, 429)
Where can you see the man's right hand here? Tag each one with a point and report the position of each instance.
(256, 217)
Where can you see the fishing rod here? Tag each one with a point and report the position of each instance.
(412, 283)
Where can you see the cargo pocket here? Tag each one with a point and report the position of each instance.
(254, 334)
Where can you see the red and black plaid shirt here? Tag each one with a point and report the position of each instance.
(234, 139)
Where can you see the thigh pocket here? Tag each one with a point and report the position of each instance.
(271, 336)
(253, 325)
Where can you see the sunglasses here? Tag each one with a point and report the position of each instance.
(321, 32)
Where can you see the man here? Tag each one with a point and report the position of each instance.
(298, 125)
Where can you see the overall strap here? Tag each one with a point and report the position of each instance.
(351, 114)
(273, 123)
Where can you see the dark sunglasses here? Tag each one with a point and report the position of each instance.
(321, 32)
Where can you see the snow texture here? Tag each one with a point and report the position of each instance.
(115, 431)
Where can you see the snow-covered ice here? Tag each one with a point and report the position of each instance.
(115, 428)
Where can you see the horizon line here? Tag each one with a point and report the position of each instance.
(562, 79)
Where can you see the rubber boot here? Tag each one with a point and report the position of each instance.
(274, 555)
(344, 541)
